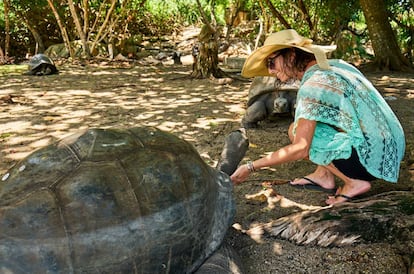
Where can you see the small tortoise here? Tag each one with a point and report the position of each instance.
(268, 97)
(41, 64)
(135, 200)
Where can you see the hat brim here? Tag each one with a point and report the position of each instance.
(256, 63)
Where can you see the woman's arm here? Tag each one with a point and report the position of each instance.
(297, 150)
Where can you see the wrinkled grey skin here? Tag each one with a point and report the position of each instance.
(235, 147)
(137, 200)
(40, 64)
(269, 97)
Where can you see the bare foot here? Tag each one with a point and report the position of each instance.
(350, 190)
(321, 176)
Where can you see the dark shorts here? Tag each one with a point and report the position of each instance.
(353, 168)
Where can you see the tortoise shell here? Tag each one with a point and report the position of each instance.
(262, 85)
(38, 60)
(133, 200)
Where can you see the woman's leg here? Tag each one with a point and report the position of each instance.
(351, 188)
(324, 176)
(321, 176)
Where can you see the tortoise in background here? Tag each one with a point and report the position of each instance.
(136, 200)
(41, 64)
(267, 98)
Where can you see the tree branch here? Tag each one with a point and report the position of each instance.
(205, 18)
(277, 14)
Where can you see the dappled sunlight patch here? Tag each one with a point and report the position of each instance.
(14, 126)
(169, 126)
(186, 102)
(18, 139)
(71, 92)
(18, 109)
(132, 72)
(394, 86)
(208, 122)
(190, 135)
(48, 108)
(410, 93)
(39, 127)
(271, 197)
(277, 249)
(31, 90)
(20, 146)
(72, 113)
(73, 72)
(6, 91)
(64, 126)
(102, 72)
(59, 134)
(40, 143)
(235, 108)
(144, 79)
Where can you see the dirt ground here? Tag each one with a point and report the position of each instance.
(38, 110)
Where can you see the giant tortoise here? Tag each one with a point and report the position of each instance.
(41, 64)
(135, 200)
(268, 98)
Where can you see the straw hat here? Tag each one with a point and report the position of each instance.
(256, 63)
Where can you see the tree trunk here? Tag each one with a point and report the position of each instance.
(206, 55)
(277, 14)
(264, 25)
(40, 47)
(2, 58)
(63, 31)
(387, 52)
(6, 4)
(85, 9)
(233, 12)
(205, 52)
(101, 32)
(306, 15)
(79, 28)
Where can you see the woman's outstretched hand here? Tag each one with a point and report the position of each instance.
(240, 175)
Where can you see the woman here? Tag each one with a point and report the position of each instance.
(342, 123)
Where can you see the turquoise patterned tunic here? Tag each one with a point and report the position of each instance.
(350, 112)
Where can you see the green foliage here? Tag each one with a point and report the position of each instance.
(159, 17)
(326, 16)
(163, 16)
(188, 11)
(402, 21)
(331, 21)
(1, 17)
(180, 10)
(37, 14)
(9, 70)
(326, 22)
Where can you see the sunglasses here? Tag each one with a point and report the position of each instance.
(271, 60)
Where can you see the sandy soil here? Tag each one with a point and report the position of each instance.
(38, 110)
